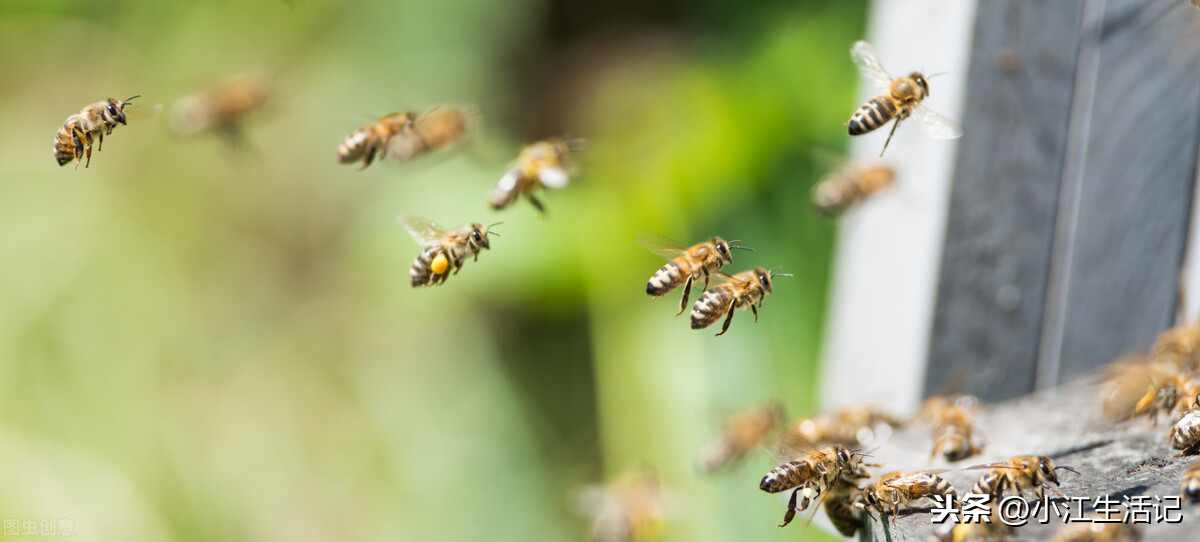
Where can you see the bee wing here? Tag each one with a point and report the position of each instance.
(660, 244)
(868, 64)
(935, 124)
(553, 177)
(914, 477)
(422, 231)
(993, 466)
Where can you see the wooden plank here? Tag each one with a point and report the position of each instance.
(1000, 228)
(1136, 181)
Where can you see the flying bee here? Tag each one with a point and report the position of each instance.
(850, 185)
(1190, 489)
(687, 264)
(743, 432)
(443, 249)
(897, 489)
(850, 426)
(745, 289)
(74, 137)
(901, 100)
(813, 474)
(223, 108)
(540, 165)
(632, 508)
(954, 435)
(1170, 394)
(1185, 434)
(435, 129)
(1036, 472)
(373, 138)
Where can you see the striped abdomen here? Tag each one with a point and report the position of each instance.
(872, 115)
(425, 268)
(787, 476)
(1191, 482)
(713, 304)
(842, 514)
(670, 276)
(355, 147)
(991, 483)
(67, 143)
(940, 486)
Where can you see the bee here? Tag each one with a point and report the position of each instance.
(1185, 434)
(74, 137)
(743, 432)
(745, 289)
(813, 474)
(632, 508)
(444, 249)
(1099, 532)
(901, 100)
(852, 184)
(1036, 472)
(687, 264)
(372, 139)
(896, 489)
(437, 128)
(953, 435)
(1170, 394)
(223, 108)
(540, 165)
(850, 426)
(839, 506)
(1190, 489)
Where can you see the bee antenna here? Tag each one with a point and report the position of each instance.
(936, 74)
(1066, 469)
(773, 275)
(127, 100)
(740, 247)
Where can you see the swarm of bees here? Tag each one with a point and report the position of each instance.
(74, 138)
(856, 425)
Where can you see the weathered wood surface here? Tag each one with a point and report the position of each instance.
(1072, 195)
(1126, 458)
(999, 232)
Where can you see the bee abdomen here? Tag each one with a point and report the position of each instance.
(843, 516)
(941, 486)
(708, 308)
(991, 483)
(871, 115)
(1191, 482)
(353, 147)
(781, 478)
(422, 269)
(666, 279)
(64, 143)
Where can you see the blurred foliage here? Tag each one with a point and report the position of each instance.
(202, 343)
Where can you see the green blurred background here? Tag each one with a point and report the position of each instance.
(201, 344)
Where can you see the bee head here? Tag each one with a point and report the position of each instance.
(116, 108)
(920, 79)
(722, 249)
(479, 236)
(872, 499)
(764, 278)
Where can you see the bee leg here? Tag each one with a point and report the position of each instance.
(370, 157)
(893, 132)
(101, 134)
(753, 309)
(687, 290)
(537, 204)
(791, 511)
(725, 326)
(89, 150)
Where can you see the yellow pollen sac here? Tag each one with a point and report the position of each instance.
(440, 264)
